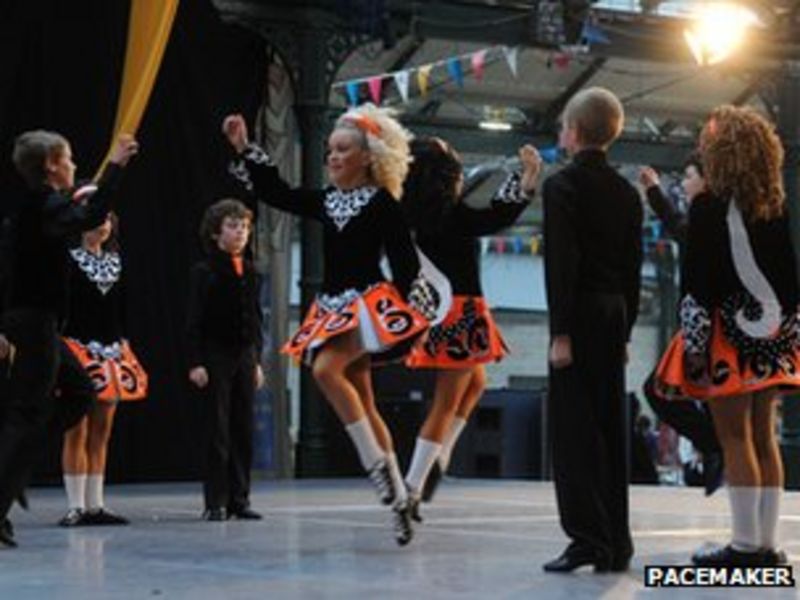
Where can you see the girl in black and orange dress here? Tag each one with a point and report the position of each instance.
(358, 316)
(94, 334)
(446, 231)
(739, 342)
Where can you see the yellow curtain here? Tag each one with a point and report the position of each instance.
(149, 27)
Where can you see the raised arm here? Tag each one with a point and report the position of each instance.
(63, 217)
(508, 203)
(675, 222)
(254, 169)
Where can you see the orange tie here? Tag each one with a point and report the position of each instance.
(238, 265)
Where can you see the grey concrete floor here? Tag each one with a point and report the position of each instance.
(330, 539)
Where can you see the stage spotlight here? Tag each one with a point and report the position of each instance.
(718, 30)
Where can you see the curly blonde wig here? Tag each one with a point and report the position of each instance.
(387, 142)
(742, 159)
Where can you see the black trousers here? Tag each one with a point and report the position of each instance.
(28, 398)
(25, 428)
(588, 414)
(229, 400)
(689, 419)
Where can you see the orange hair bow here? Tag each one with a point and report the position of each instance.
(365, 124)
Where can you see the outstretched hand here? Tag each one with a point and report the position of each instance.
(648, 177)
(6, 347)
(531, 165)
(125, 148)
(235, 129)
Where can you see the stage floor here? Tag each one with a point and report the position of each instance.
(330, 539)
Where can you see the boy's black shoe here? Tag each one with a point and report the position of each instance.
(382, 480)
(432, 482)
(103, 516)
(214, 514)
(573, 558)
(7, 534)
(245, 514)
(774, 557)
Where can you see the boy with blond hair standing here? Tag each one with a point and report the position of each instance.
(593, 256)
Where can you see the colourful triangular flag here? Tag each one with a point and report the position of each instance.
(478, 60)
(352, 92)
(401, 81)
(375, 88)
(456, 71)
(511, 54)
(423, 76)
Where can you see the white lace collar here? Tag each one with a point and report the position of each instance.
(103, 270)
(341, 206)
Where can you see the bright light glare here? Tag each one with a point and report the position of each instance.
(495, 125)
(719, 29)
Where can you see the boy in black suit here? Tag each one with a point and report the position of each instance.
(224, 344)
(593, 256)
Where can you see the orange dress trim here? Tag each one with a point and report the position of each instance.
(115, 371)
(385, 321)
(468, 336)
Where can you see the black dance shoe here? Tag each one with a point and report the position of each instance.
(7, 534)
(774, 557)
(245, 514)
(713, 472)
(103, 516)
(214, 514)
(413, 507)
(401, 522)
(573, 559)
(381, 478)
(72, 518)
(432, 482)
(727, 556)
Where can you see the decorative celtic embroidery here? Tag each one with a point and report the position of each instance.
(696, 325)
(511, 191)
(338, 302)
(765, 357)
(103, 270)
(424, 297)
(239, 166)
(342, 206)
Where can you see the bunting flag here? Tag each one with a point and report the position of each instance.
(401, 79)
(149, 27)
(592, 34)
(423, 77)
(352, 92)
(375, 88)
(455, 70)
(478, 61)
(512, 55)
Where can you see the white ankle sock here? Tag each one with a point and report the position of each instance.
(94, 492)
(401, 495)
(369, 452)
(75, 485)
(768, 513)
(745, 517)
(450, 439)
(425, 454)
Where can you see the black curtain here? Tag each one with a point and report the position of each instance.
(61, 67)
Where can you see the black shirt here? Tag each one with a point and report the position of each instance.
(44, 222)
(592, 238)
(359, 225)
(452, 245)
(224, 309)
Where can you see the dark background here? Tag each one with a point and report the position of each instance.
(60, 69)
